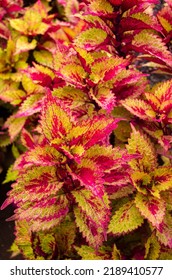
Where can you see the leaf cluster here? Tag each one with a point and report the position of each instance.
(90, 134)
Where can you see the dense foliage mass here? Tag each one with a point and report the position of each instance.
(90, 132)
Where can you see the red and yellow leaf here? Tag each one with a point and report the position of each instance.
(141, 144)
(147, 42)
(91, 39)
(92, 216)
(54, 120)
(127, 218)
(151, 208)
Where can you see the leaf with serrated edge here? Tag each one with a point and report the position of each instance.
(140, 143)
(54, 120)
(41, 156)
(147, 42)
(152, 248)
(151, 208)
(162, 180)
(11, 175)
(164, 233)
(88, 253)
(91, 38)
(127, 218)
(96, 214)
(139, 108)
(15, 125)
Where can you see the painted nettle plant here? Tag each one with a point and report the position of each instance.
(89, 127)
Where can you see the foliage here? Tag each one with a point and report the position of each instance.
(90, 134)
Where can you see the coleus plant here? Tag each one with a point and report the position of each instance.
(90, 134)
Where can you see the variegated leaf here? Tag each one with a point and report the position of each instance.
(73, 73)
(140, 143)
(88, 253)
(12, 95)
(31, 105)
(104, 98)
(127, 218)
(100, 7)
(151, 208)
(96, 214)
(106, 68)
(164, 233)
(139, 108)
(24, 239)
(162, 178)
(91, 39)
(22, 45)
(34, 186)
(54, 120)
(165, 19)
(139, 21)
(147, 42)
(91, 131)
(27, 139)
(43, 214)
(38, 156)
(15, 125)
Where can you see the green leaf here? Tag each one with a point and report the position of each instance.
(126, 219)
(11, 175)
(152, 248)
(123, 130)
(14, 250)
(116, 255)
(88, 253)
(166, 254)
(15, 151)
(4, 140)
